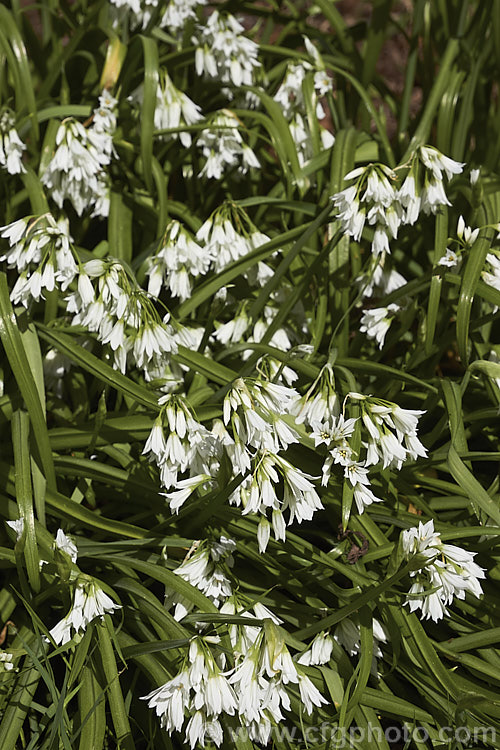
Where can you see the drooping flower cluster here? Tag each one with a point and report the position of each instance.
(239, 419)
(205, 566)
(189, 447)
(200, 691)
(179, 12)
(138, 14)
(109, 302)
(260, 421)
(77, 170)
(377, 321)
(228, 235)
(448, 572)
(89, 602)
(290, 95)
(43, 242)
(174, 109)
(11, 145)
(319, 651)
(223, 52)
(378, 200)
(375, 199)
(391, 439)
(177, 262)
(255, 690)
(392, 431)
(255, 412)
(223, 147)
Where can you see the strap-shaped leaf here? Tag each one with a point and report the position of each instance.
(24, 494)
(16, 354)
(104, 372)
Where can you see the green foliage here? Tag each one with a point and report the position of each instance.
(72, 445)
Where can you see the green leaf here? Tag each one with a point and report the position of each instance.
(151, 80)
(18, 360)
(91, 703)
(471, 276)
(24, 494)
(102, 371)
(476, 493)
(120, 228)
(483, 366)
(440, 243)
(12, 46)
(119, 713)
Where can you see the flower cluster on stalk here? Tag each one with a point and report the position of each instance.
(248, 452)
(78, 169)
(256, 689)
(11, 145)
(448, 572)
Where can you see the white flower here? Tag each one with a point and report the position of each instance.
(177, 262)
(363, 496)
(319, 652)
(232, 332)
(76, 170)
(449, 571)
(466, 233)
(72, 171)
(204, 568)
(335, 430)
(11, 145)
(42, 242)
(200, 727)
(152, 340)
(376, 322)
(450, 259)
(350, 211)
(406, 420)
(223, 148)
(184, 490)
(67, 545)
(89, 602)
(177, 13)
(380, 280)
(433, 195)
(474, 176)
(438, 163)
(6, 661)
(174, 109)
(378, 205)
(409, 197)
(171, 701)
(156, 441)
(309, 694)
(263, 534)
(290, 94)
(492, 277)
(223, 52)
(219, 695)
(420, 539)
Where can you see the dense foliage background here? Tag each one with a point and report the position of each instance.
(213, 374)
